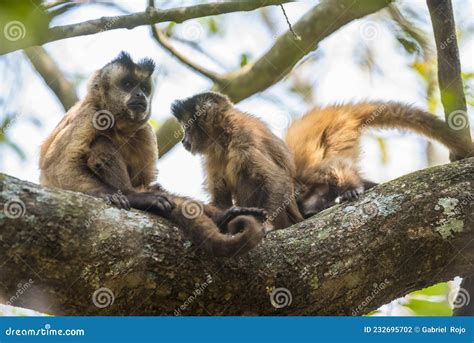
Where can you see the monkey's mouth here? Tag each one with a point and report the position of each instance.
(137, 106)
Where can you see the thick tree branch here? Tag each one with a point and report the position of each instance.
(130, 21)
(321, 21)
(403, 235)
(52, 75)
(449, 67)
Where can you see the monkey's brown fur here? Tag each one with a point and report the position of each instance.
(245, 162)
(118, 162)
(325, 145)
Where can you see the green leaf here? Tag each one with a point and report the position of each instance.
(244, 59)
(212, 25)
(438, 289)
(429, 308)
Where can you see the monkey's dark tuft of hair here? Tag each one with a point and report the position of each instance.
(124, 59)
(147, 64)
(177, 109)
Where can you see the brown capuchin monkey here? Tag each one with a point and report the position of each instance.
(246, 164)
(325, 145)
(105, 147)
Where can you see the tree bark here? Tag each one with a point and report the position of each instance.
(70, 248)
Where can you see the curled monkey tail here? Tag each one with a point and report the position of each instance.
(245, 231)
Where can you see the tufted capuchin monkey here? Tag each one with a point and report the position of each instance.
(246, 164)
(325, 145)
(111, 121)
(105, 147)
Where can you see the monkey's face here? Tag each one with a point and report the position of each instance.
(314, 198)
(126, 90)
(200, 117)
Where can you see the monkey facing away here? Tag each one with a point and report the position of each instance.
(325, 145)
(245, 162)
(105, 147)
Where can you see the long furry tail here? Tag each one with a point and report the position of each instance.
(204, 233)
(397, 115)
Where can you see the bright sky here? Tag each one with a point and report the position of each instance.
(336, 76)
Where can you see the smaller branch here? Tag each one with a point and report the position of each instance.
(130, 21)
(161, 38)
(52, 76)
(449, 68)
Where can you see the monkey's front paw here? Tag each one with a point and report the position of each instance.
(256, 212)
(118, 200)
(350, 195)
(162, 203)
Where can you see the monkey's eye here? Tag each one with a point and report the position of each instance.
(145, 89)
(126, 84)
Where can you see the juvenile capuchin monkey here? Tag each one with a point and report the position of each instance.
(105, 147)
(325, 145)
(246, 164)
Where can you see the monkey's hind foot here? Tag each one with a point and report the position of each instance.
(350, 195)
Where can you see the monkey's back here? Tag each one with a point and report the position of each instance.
(62, 153)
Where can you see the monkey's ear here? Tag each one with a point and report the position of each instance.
(93, 84)
(177, 109)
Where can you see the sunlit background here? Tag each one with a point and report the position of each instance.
(379, 57)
